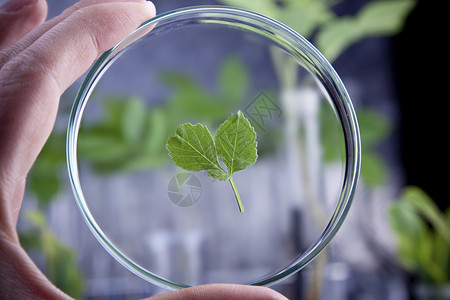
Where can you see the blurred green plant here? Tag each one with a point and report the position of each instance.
(44, 180)
(125, 138)
(422, 231)
(333, 34)
(129, 136)
(375, 129)
(60, 260)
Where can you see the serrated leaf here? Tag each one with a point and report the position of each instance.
(236, 143)
(218, 174)
(192, 148)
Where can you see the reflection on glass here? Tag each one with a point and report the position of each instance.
(201, 65)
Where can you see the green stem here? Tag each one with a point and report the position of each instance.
(236, 194)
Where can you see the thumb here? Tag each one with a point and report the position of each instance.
(18, 17)
(221, 292)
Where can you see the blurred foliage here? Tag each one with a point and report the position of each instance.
(132, 136)
(44, 180)
(423, 236)
(128, 136)
(375, 129)
(333, 34)
(60, 260)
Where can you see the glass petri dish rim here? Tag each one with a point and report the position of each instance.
(298, 47)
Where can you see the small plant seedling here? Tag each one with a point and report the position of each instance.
(194, 149)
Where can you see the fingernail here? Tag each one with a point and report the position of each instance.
(15, 5)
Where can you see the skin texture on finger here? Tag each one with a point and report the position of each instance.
(16, 24)
(222, 292)
(32, 82)
(19, 276)
(7, 53)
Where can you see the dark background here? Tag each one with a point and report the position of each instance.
(420, 59)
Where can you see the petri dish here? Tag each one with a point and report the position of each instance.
(176, 228)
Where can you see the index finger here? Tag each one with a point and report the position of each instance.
(31, 37)
(32, 82)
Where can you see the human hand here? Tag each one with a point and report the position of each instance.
(38, 61)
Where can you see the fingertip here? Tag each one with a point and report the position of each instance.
(17, 18)
(68, 48)
(150, 8)
(222, 292)
(38, 14)
(106, 27)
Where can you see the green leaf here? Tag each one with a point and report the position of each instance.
(192, 148)
(377, 18)
(30, 240)
(236, 143)
(101, 148)
(45, 185)
(233, 79)
(266, 7)
(133, 120)
(422, 234)
(442, 255)
(128, 137)
(331, 135)
(305, 16)
(375, 127)
(336, 35)
(219, 174)
(61, 265)
(60, 260)
(44, 180)
(191, 101)
(156, 133)
(425, 206)
(36, 218)
(373, 169)
(384, 17)
(409, 229)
